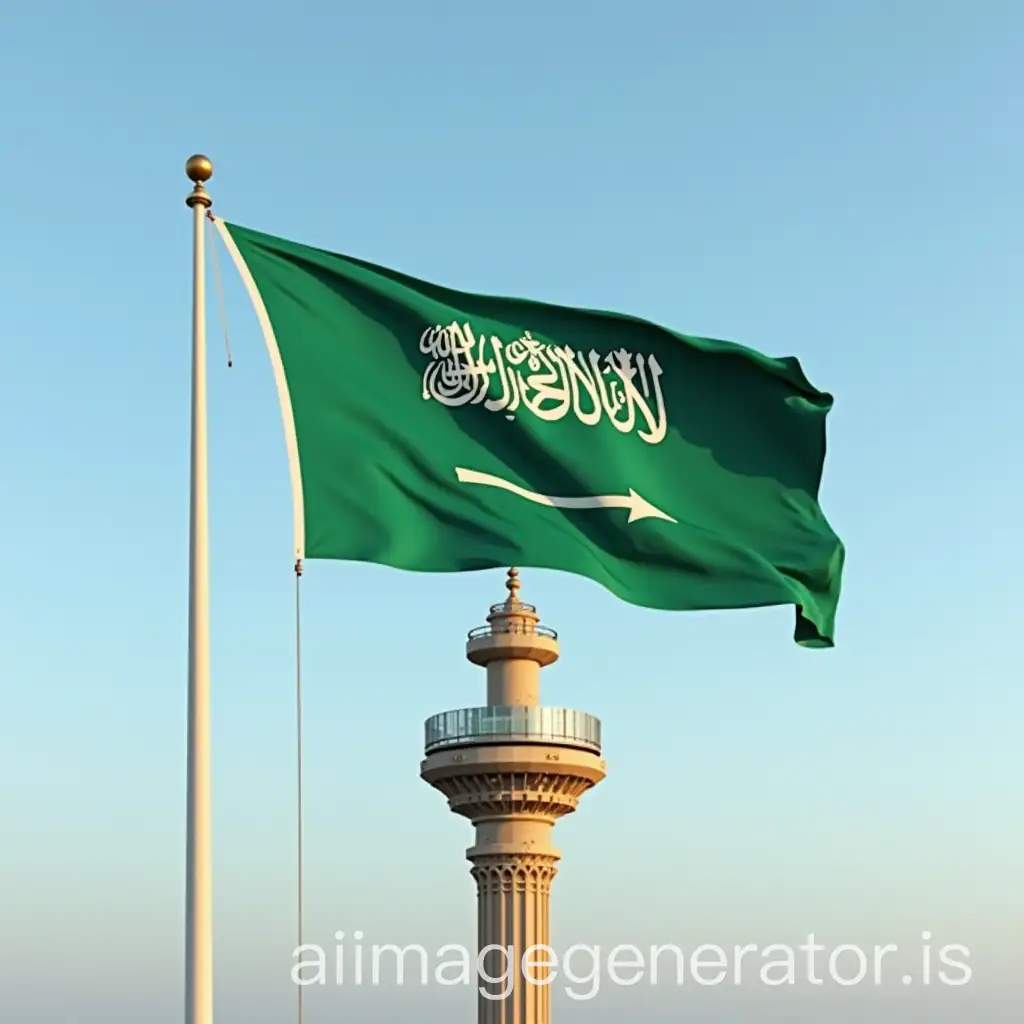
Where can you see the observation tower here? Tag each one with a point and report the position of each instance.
(513, 768)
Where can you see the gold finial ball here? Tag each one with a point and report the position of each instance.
(199, 168)
(512, 583)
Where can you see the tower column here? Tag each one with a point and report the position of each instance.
(513, 912)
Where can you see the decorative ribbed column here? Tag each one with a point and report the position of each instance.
(513, 768)
(513, 911)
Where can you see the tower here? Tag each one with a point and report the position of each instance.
(513, 768)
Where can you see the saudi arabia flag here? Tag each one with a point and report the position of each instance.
(441, 431)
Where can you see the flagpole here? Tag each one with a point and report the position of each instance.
(198, 856)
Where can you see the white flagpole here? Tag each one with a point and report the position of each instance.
(199, 867)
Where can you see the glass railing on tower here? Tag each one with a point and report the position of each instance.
(469, 726)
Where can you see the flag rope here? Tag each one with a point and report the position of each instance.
(298, 751)
(280, 381)
(219, 285)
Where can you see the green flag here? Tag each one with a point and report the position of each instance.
(441, 431)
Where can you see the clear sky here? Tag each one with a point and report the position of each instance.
(835, 181)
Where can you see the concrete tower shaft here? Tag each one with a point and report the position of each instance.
(513, 768)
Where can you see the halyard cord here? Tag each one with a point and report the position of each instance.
(298, 670)
(298, 748)
(219, 286)
(280, 382)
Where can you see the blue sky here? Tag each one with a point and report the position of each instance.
(839, 182)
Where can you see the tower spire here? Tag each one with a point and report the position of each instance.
(512, 586)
